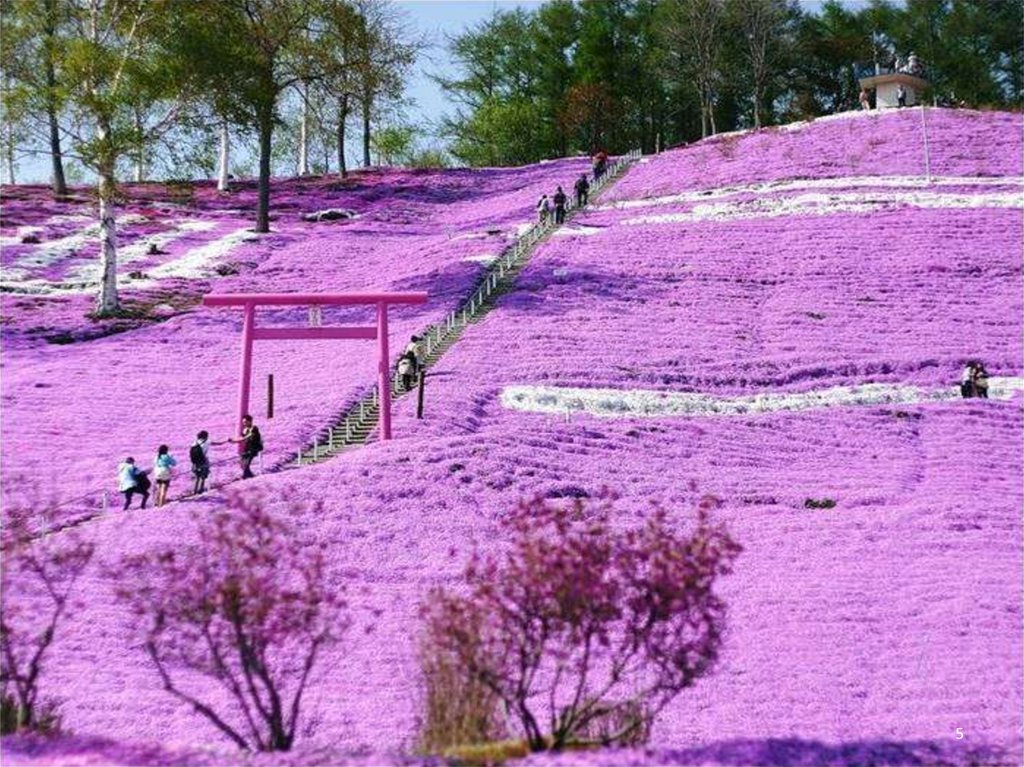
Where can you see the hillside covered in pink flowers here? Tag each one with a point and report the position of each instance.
(834, 266)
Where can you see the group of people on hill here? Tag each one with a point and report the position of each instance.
(974, 380)
(553, 207)
(133, 480)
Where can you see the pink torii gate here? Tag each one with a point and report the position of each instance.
(250, 333)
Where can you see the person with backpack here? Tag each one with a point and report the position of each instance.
(199, 456)
(543, 208)
(407, 369)
(582, 189)
(600, 164)
(252, 445)
(559, 200)
(132, 481)
(162, 465)
(414, 351)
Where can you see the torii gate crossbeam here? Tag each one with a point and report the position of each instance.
(250, 333)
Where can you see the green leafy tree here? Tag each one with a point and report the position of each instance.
(33, 34)
(385, 50)
(114, 65)
(256, 51)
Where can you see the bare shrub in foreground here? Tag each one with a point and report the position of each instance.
(248, 608)
(585, 632)
(37, 578)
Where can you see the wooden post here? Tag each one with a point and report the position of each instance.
(419, 395)
(270, 395)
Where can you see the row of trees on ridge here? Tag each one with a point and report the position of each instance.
(107, 80)
(569, 77)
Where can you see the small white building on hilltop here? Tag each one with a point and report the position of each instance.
(887, 87)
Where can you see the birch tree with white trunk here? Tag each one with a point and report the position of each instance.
(115, 73)
(224, 160)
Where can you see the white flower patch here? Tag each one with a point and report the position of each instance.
(639, 403)
(800, 185)
(578, 231)
(22, 231)
(139, 250)
(818, 204)
(48, 253)
(483, 258)
(197, 262)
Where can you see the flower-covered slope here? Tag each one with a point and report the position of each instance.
(868, 632)
(72, 411)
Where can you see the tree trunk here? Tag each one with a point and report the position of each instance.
(140, 156)
(266, 128)
(107, 302)
(366, 131)
(304, 133)
(60, 185)
(757, 112)
(9, 152)
(225, 157)
(342, 119)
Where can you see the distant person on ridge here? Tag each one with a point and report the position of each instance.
(865, 102)
(252, 445)
(132, 480)
(582, 189)
(967, 381)
(901, 95)
(162, 465)
(560, 200)
(199, 455)
(980, 381)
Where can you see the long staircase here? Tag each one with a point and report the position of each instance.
(356, 422)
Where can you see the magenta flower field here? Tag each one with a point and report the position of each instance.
(883, 629)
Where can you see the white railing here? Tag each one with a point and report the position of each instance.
(513, 256)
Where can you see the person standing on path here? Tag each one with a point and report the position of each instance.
(967, 381)
(901, 96)
(252, 445)
(162, 465)
(560, 200)
(413, 348)
(542, 208)
(132, 480)
(199, 455)
(407, 370)
(582, 189)
(865, 101)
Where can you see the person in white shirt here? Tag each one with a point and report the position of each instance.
(132, 480)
